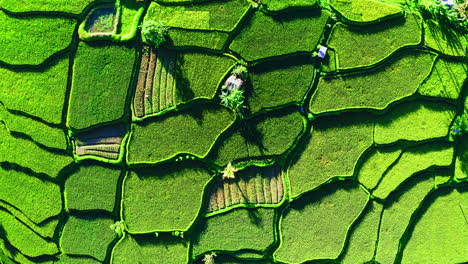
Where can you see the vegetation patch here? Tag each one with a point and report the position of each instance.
(69, 6)
(104, 143)
(152, 202)
(24, 239)
(375, 90)
(147, 248)
(101, 79)
(265, 36)
(31, 40)
(252, 186)
(365, 46)
(222, 15)
(236, 230)
(397, 216)
(331, 149)
(87, 236)
(40, 94)
(25, 192)
(446, 79)
(92, 187)
(440, 232)
(414, 160)
(282, 5)
(365, 11)
(274, 84)
(417, 120)
(131, 12)
(156, 86)
(271, 134)
(376, 163)
(330, 211)
(197, 130)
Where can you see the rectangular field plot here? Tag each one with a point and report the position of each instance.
(259, 186)
(156, 83)
(102, 142)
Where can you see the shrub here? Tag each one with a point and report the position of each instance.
(455, 16)
(460, 126)
(154, 32)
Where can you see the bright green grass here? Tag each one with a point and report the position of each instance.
(440, 234)
(275, 85)
(31, 156)
(451, 44)
(417, 120)
(446, 79)
(23, 238)
(91, 237)
(216, 15)
(236, 230)
(199, 75)
(266, 36)
(281, 5)
(191, 131)
(41, 94)
(38, 131)
(357, 47)
(361, 243)
(131, 12)
(414, 160)
(316, 225)
(164, 198)
(27, 193)
(365, 11)
(461, 162)
(397, 216)
(31, 40)
(92, 187)
(376, 163)
(149, 248)
(64, 259)
(375, 90)
(181, 38)
(332, 149)
(101, 80)
(268, 135)
(68, 6)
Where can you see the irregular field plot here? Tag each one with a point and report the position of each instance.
(131, 12)
(163, 198)
(31, 40)
(365, 46)
(183, 38)
(101, 80)
(41, 94)
(197, 130)
(412, 161)
(266, 36)
(69, 6)
(271, 134)
(87, 236)
(376, 90)
(92, 187)
(283, 5)
(446, 79)
(26, 192)
(365, 11)
(147, 248)
(236, 230)
(332, 149)
(253, 186)
(104, 142)
(275, 84)
(440, 233)
(156, 86)
(375, 165)
(417, 120)
(222, 16)
(316, 225)
(23, 238)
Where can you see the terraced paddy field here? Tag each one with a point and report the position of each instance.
(233, 131)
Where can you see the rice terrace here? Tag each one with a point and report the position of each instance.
(234, 131)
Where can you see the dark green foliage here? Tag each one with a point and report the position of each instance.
(154, 32)
(460, 125)
(456, 17)
(101, 79)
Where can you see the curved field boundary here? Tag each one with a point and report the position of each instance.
(250, 191)
(382, 19)
(105, 144)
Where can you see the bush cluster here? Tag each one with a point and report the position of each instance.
(456, 16)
